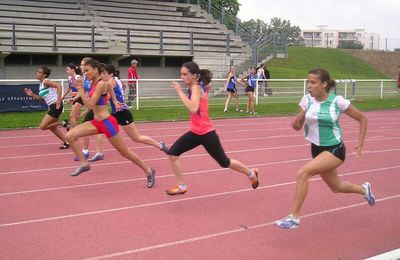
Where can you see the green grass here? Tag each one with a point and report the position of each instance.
(339, 64)
(286, 94)
(32, 119)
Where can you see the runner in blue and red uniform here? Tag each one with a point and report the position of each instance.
(123, 114)
(103, 122)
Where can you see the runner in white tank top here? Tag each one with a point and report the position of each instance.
(320, 112)
(50, 92)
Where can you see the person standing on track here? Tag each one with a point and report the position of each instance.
(103, 122)
(124, 115)
(320, 112)
(230, 86)
(50, 92)
(201, 131)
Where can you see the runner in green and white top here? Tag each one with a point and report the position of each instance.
(320, 113)
(322, 119)
(50, 92)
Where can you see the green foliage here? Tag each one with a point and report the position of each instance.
(350, 45)
(276, 25)
(230, 7)
(340, 64)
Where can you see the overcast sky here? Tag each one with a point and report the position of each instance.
(375, 16)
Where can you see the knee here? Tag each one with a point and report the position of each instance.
(302, 175)
(125, 153)
(335, 189)
(224, 163)
(43, 127)
(70, 137)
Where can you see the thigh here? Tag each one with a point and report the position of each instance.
(84, 129)
(324, 162)
(213, 146)
(185, 143)
(331, 178)
(76, 109)
(118, 143)
(47, 119)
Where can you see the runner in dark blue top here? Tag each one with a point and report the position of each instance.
(250, 84)
(230, 87)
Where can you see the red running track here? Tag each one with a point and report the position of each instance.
(109, 213)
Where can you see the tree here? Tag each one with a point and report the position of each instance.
(230, 7)
(350, 45)
(276, 25)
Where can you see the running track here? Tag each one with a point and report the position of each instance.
(109, 213)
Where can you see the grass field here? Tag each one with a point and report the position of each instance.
(285, 97)
(339, 63)
(178, 112)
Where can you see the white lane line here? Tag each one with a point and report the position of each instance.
(184, 156)
(186, 174)
(151, 147)
(391, 255)
(267, 123)
(229, 232)
(171, 201)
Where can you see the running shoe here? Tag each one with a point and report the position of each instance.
(86, 155)
(369, 196)
(97, 157)
(151, 178)
(225, 110)
(254, 180)
(80, 169)
(64, 146)
(176, 190)
(288, 222)
(164, 147)
(239, 110)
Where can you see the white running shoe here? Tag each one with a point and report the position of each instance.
(288, 222)
(369, 196)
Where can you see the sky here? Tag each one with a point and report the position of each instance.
(375, 16)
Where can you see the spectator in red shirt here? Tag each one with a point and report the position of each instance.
(132, 74)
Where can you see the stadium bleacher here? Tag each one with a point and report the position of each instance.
(65, 27)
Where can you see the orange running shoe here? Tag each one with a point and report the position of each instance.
(176, 190)
(254, 181)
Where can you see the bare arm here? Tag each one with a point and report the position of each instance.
(227, 81)
(110, 89)
(193, 103)
(298, 121)
(354, 113)
(30, 93)
(243, 80)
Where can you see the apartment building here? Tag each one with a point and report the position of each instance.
(328, 38)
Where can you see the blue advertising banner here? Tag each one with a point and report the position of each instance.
(13, 98)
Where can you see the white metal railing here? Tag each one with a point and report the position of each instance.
(159, 93)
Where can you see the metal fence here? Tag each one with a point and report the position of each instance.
(158, 93)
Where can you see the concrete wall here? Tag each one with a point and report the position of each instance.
(29, 72)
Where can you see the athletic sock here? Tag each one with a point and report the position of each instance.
(250, 174)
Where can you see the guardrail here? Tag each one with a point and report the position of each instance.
(155, 93)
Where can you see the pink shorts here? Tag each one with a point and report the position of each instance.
(108, 127)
